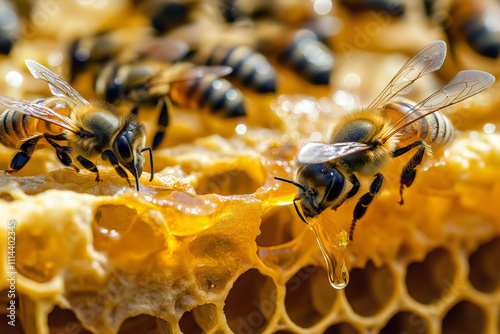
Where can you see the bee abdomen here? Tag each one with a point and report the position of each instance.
(15, 127)
(250, 68)
(217, 95)
(310, 58)
(436, 129)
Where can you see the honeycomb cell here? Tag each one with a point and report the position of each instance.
(212, 278)
(464, 318)
(430, 280)
(200, 319)
(187, 324)
(341, 328)
(142, 323)
(309, 296)
(114, 217)
(5, 196)
(484, 266)
(64, 321)
(250, 303)
(229, 182)
(406, 322)
(280, 224)
(35, 248)
(370, 289)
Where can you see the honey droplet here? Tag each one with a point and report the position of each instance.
(332, 241)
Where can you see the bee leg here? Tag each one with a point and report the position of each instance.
(364, 201)
(163, 121)
(89, 165)
(108, 155)
(409, 171)
(22, 158)
(62, 152)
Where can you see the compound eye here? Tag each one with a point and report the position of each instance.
(337, 185)
(123, 148)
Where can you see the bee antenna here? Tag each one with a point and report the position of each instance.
(298, 212)
(150, 161)
(292, 182)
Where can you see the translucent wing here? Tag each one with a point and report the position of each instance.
(39, 111)
(57, 85)
(314, 153)
(464, 85)
(429, 59)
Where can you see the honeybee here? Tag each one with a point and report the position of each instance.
(150, 82)
(250, 68)
(309, 57)
(85, 129)
(471, 21)
(364, 142)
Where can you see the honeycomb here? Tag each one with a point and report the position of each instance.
(213, 244)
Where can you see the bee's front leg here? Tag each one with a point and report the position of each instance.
(89, 165)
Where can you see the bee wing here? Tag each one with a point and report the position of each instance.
(429, 59)
(314, 153)
(464, 85)
(163, 49)
(39, 111)
(57, 85)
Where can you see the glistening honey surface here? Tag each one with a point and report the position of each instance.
(213, 244)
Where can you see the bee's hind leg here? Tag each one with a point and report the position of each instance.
(364, 201)
(409, 171)
(22, 158)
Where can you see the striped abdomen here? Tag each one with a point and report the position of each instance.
(210, 92)
(15, 127)
(435, 129)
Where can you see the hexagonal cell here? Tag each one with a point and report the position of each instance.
(309, 296)
(141, 323)
(7, 197)
(464, 318)
(280, 224)
(231, 181)
(64, 321)
(341, 328)
(430, 280)
(200, 319)
(370, 289)
(250, 303)
(485, 266)
(406, 322)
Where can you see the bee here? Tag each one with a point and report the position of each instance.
(9, 26)
(309, 57)
(150, 82)
(73, 126)
(250, 68)
(394, 7)
(364, 142)
(471, 21)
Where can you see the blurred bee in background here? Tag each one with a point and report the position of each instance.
(364, 142)
(249, 68)
(146, 82)
(309, 57)
(394, 7)
(9, 26)
(89, 129)
(477, 24)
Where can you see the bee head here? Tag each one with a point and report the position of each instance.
(128, 147)
(322, 186)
